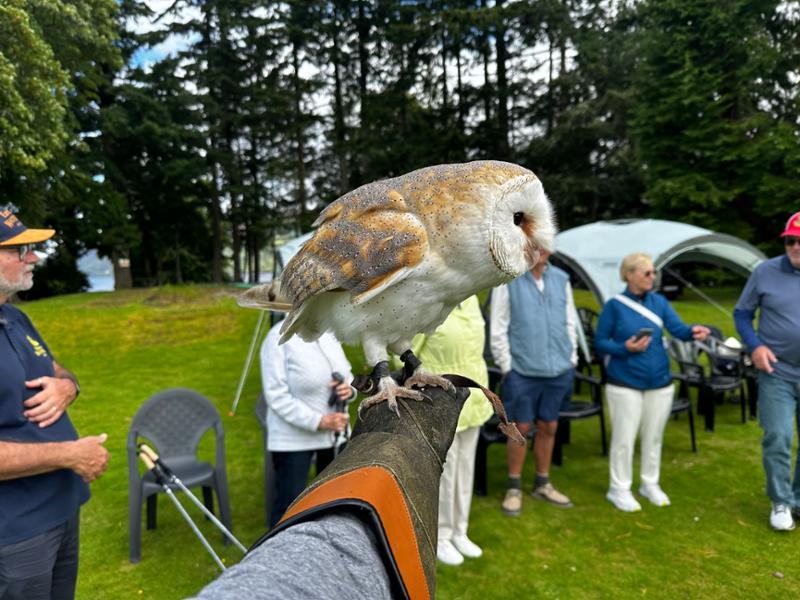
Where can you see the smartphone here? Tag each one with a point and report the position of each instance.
(643, 332)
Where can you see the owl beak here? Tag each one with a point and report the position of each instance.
(532, 254)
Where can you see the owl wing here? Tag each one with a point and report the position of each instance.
(365, 243)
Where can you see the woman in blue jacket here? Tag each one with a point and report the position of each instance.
(639, 385)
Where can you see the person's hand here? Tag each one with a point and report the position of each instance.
(763, 359)
(89, 458)
(343, 390)
(640, 345)
(334, 422)
(700, 332)
(47, 406)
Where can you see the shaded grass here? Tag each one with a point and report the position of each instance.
(713, 542)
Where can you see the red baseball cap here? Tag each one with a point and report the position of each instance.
(792, 226)
(14, 233)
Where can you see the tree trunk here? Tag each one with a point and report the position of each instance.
(299, 142)
(122, 269)
(445, 99)
(236, 243)
(216, 225)
(362, 27)
(462, 118)
(502, 84)
(486, 93)
(178, 269)
(339, 131)
(550, 95)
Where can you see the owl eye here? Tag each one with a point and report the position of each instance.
(518, 218)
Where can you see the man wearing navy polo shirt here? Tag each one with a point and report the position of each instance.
(774, 289)
(44, 465)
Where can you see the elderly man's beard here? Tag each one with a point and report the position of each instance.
(22, 283)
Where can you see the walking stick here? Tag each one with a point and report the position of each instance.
(165, 477)
(247, 363)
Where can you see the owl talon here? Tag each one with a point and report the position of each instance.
(421, 378)
(389, 391)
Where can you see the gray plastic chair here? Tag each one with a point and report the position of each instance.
(174, 421)
(269, 468)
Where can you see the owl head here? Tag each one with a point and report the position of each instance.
(521, 224)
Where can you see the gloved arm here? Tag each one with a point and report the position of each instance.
(383, 487)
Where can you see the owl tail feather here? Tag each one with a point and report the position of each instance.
(266, 296)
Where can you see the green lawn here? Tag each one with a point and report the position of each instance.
(713, 542)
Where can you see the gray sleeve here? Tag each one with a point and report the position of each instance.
(334, 556)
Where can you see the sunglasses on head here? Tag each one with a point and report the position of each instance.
(23, 249)
(790, 240)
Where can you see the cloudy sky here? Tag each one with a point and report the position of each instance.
(173, 44)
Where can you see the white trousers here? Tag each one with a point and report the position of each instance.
(636, 411)
(455, 488)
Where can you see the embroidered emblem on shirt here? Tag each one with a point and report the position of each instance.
(37, 347)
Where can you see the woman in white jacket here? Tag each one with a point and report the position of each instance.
(298, 379)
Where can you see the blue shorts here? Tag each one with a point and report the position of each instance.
(529, 399)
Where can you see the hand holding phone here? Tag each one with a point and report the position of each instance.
(643, 332)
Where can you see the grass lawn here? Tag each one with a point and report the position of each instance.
(713, 542)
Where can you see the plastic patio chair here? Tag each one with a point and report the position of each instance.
(725, 373)
(173, 421)
(576, 409)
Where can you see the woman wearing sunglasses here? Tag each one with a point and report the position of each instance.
(639, 385)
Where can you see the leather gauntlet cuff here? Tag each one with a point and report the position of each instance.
(389, 475)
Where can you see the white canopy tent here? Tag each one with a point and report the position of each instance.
(286, 251)
(594, 251)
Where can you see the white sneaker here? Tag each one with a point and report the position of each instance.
(623, 500)
(655, 494)
(781, 517)
(446, 553)
(466, 546)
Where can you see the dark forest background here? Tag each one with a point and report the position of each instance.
(184, 169)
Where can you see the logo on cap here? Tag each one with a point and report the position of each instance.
(10, 220)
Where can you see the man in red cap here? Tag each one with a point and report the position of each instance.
(44, 466)
(774, 288)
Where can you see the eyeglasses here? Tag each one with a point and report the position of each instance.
(791, 241)
(650, 273)
(23, 249)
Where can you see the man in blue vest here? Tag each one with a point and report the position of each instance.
(44, 466)
(774, 289)
(534, 342)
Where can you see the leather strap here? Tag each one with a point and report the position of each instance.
(377, 487)
(507, 427)
(642, 310)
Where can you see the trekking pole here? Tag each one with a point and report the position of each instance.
(172, 478)
(340, 406)
(151, 466)
(164, 476)
(247, 363)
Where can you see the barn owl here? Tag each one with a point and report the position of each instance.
(392, 258)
